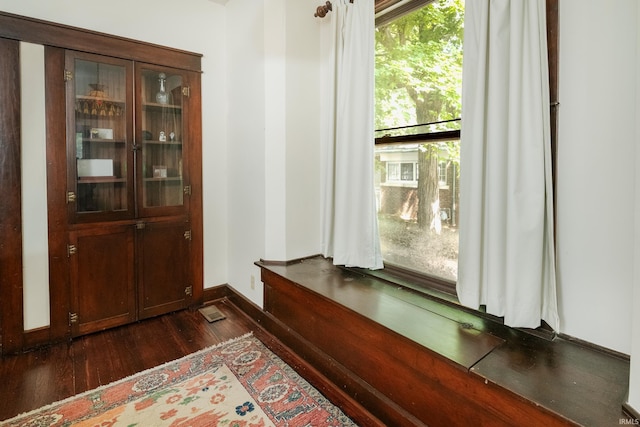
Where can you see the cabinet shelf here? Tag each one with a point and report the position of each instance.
(100, 99)
(100, 180)
(154, 142)
(157, 106)
(99, 107)
(168, 179)
(104, 140)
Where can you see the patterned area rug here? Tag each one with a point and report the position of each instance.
(239, 383)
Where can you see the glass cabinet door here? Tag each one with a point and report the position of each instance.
(99, 130)
(161, 141)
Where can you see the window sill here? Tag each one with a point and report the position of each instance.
(444, 292)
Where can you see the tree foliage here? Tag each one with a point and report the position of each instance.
(419, 66)
(419, 80)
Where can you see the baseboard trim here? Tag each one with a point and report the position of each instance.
(215, 293)
(38, 337)
(631, 412)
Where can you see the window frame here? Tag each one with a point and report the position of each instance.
(424, 282)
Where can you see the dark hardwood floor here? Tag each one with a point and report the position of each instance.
(31, 380)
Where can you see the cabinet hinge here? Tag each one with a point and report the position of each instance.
(73, 318)
(188, 291)
(71, 197)
(187, 190)
(186, 91)
(68, 75)
(71, 250)
(187, 235)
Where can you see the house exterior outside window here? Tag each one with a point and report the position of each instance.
(398, 183)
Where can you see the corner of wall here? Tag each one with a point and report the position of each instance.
(634, 376)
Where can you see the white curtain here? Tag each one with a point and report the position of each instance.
(350, 225)
(506, 254)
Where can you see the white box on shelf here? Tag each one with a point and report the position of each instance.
(101, 133)
(95, 167)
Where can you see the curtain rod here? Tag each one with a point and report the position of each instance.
(321, 11)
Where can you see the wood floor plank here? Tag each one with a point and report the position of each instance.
(190, 332)
(31, 380)
(42, 376)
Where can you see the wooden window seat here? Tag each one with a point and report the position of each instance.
(411, 359)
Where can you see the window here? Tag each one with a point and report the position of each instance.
(418, 106)
(442, 173)
(393, 171)
(401, 172)
(406, 171)
(418, 103)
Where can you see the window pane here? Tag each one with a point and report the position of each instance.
(162, 128)
(407, 171)
(100, 136)
(419, 70)
(418, 98)
(393, 171)
(442, 173)
(418, 221)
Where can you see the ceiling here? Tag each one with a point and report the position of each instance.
(379, 5)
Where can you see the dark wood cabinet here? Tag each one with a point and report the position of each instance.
(130, 145)
(124, 201)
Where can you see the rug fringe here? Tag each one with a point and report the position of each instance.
(128, 378)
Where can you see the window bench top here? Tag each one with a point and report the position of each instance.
(582, 384)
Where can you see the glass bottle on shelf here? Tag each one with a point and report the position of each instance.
(162, 97)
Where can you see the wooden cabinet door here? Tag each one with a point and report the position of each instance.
(100, 109)
(102, 268)
(164, 282)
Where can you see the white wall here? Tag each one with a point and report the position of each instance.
(596, 165)
(634, 378)
(35, 239)
(246, 152)
(274, 191)
(303, 128)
